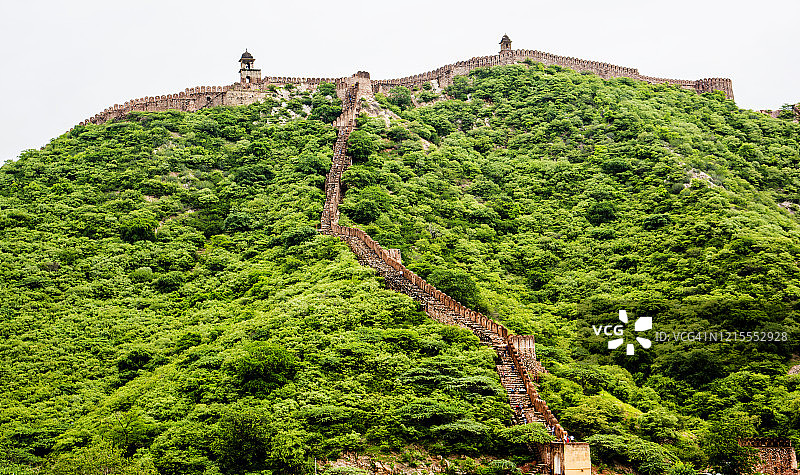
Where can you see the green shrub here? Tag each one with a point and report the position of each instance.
(499, 467)
(298, 235)
(681, 468)
(343, 470)
(458, 284)
(313, 163)
(262, 367)
(138, 226)
(599, 213)
(325, 105)
(362, 144)
(401, 97)
(169, 282)
(647, 458)
(142, 274)
(242, 439)
(656, 221)
(518, 437)
(238, 221)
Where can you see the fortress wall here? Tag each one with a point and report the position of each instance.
(775, 456)
(606, 71)
(444, 75)
(526, 341)
(200, 97)
(521, 356)
(244, 97)
(355, 87)
(440, 77)
(577, 459)
(196, 98)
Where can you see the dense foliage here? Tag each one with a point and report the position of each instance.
(168, 306)
(564, 198)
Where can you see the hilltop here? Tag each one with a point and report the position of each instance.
(168, 304)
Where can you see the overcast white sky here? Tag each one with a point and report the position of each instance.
(65, 61)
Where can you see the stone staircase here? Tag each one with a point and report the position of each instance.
(524, 411)
(509, 371)
(345, 124)
(516, 361)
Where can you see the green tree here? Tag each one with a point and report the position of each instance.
(242, 439)
(787, 111)
(128, 430)
(525, 435)
(262, 367)
(362, 144)
(140, 225)
(658, 425)
(721, 443)
(458, 284)
(99, 458)
(401, 97)
(288, 450)
(681, 468)
(602, 212)
(592, 416)
(325, 105)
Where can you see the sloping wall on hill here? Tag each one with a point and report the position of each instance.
(516, 360)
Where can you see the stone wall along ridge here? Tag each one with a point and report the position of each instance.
(200, 97)
(444, 75)
(196, 98)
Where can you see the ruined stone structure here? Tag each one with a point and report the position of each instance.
(775, 456)
(251, 86)
(516, 360)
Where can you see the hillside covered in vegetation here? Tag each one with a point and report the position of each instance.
(169, 307)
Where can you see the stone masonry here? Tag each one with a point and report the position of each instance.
(775, 456)
(252, 87)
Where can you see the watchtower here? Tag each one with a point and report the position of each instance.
(247, 73)
(505, 44)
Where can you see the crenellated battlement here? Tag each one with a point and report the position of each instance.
(251, 87)
(765, 442)
(444, 74)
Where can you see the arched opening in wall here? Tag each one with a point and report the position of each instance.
(557, 465)
(248, 79)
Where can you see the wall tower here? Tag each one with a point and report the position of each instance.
(247, 73)
(505, 44)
